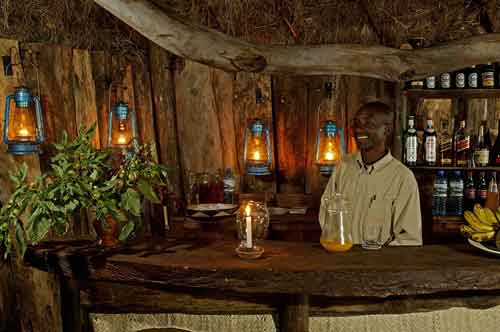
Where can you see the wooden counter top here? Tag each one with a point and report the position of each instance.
(286, 267)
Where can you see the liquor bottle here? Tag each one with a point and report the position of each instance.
(482, 189)
(488, 76)
(492, 195)
(484, 123)
(445, 81)
(430, 82)
(459, 81)
(482, 153)
(445, 145)
(473, 78)
(430, 144)
(411, 143)
(461, 146)
(495, 151)
(469, 192)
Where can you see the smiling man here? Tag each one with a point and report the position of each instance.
(376, 184)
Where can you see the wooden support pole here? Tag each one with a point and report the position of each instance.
(294, 317)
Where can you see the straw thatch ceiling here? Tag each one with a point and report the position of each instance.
(81, 23)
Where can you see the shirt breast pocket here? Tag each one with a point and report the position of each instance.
(380, 213)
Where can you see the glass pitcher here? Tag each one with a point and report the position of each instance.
(336, 233)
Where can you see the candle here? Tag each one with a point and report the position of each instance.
(248, 220)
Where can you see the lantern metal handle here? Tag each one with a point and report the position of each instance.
(7, 115)
(40, 136)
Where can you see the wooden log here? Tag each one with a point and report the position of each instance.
(245, 109)
(109, 297)
(162, 84)
(290, 109)
(294, 317)
(213, 48)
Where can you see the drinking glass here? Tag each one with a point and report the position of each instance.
(372, 234)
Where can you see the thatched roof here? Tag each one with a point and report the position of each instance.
(82, 24)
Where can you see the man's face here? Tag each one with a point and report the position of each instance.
(370, 130)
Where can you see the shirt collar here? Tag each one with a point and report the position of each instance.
(379, 164)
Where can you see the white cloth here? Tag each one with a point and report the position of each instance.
(385, 189)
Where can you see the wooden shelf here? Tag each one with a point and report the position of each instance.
(455, 168)
(449, 93)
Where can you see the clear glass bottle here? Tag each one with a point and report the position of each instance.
(336, 230)
(411, 143)
(492, 196)
(430, 144)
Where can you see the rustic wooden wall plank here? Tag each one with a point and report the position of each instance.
(197, 120)
(245, 109)
(52, 66)
(34, 293)
(85, 94)
(101, 67)
(290, 109)
(162, 84)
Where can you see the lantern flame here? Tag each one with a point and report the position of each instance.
(23, 132)
(248, 211)
(256, 155)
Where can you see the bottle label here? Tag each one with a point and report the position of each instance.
(460, 80)
(440, 189)
(470, 193)
(411, 149)
(463, 144)
(483, 157)
(472, 80)
(445, 80)
(430, 82)
(488, 78)
(430, 149)
(482, 193)
(497, 159)
(417, 84)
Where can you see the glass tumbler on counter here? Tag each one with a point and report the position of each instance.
(252, 221)
(336, 233)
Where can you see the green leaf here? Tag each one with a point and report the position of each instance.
(131, 201)
(126, 231)
(21, 240)
(40, 229)
(148, 192)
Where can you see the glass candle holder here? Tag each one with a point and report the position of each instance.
(252, 220)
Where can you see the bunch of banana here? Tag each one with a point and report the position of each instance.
(482, 224)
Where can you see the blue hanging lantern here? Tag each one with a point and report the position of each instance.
(122, 126)
(23, 123)
(329, 146)
(257, 149)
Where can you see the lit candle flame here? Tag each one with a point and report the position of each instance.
(256, 155)
(247, 210)
(23, 132)
(330, 156)
(122, 140)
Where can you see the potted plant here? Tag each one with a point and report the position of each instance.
(112, 183)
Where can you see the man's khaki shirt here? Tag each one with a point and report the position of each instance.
(386, 189)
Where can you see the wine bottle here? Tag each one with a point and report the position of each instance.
(482, 152)
(495, 151)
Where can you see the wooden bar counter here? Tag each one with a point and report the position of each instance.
(292, 279)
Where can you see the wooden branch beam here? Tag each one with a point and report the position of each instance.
(216, 49)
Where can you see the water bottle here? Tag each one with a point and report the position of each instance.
(456, 195)
(440, 194)
(229, 186)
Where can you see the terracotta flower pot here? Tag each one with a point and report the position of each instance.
(107, 231)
